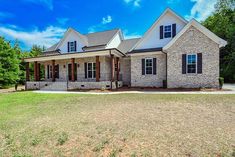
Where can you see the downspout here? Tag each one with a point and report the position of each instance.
(166, 68)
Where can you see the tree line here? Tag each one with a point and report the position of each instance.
(12, 66)
(221, 22)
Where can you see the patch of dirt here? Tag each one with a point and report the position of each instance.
(12, 89)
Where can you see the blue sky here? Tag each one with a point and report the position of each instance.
(43, 22)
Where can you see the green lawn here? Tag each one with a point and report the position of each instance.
(116, 125)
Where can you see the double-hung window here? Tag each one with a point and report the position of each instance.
(149, 66)
(72, 46)
(191, 63)
(167, 31)
(91, 70)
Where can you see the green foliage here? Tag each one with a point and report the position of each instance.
(12, 66)
(63, 137)
(9, 64)
(34, 52)
(222, 23)
(221, 82)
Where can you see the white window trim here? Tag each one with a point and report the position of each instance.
(146, 66)
(187, 63)
(92, 70)
(167, 31)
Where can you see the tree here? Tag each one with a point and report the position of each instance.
(9, 64)
(35, 52)
(222, 23)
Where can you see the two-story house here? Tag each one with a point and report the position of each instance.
(174, 52)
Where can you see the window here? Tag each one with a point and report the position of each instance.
(149, 66)
(167, 31)
(72, 47)
(91, 70)
(191, 64)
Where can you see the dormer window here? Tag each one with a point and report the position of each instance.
(72, 46)
(167, 31)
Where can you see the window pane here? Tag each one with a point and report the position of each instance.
(192, 68)
(72, 46)
(89, 66)
(149, 66)
(167, 31)
(89, 74)
(167, 34)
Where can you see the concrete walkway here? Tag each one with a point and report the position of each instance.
(134, 92)
(230, 87)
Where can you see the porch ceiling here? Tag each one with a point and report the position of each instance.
(86, 54)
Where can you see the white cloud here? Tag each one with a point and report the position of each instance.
(135, 3)
(102, 25)
(201, 9)
(4, 15)
(47, 3)
(46, 37)
(62, 21)
(106, 20)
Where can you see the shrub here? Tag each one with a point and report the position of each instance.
(62, 138)
(164, 84)
(221, 82)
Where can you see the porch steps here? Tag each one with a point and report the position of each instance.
(55, 86)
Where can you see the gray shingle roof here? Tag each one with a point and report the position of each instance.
(52, 48)
(100, 38)
(126, 45)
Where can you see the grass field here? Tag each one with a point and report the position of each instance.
(116, 125)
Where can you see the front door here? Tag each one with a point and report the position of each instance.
(70, 71)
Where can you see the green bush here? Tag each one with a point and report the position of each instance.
(62, 138)
(221, 82)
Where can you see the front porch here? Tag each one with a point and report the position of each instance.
(99, 70)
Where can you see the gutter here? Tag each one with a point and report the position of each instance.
(79, 52)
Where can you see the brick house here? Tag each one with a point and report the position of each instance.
(174, 52)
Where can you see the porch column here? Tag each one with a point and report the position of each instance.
(97, 69)
(118, 68)
(35, 70)
(53, 70)
(27, 71)
(73, 67)
(112, 67)
(38, 72)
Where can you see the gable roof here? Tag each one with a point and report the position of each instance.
(90, 40)
(126, 45)
(100, 38)
(201, 28)
(168, 10)
(82, 37)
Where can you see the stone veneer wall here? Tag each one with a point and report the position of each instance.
(125, 70)
(193, 41)
(61, 86)
(139, 80)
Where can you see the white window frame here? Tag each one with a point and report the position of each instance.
(148, 66)
(72, 48)
(170, 31)
(189, 64)
(92, 70)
